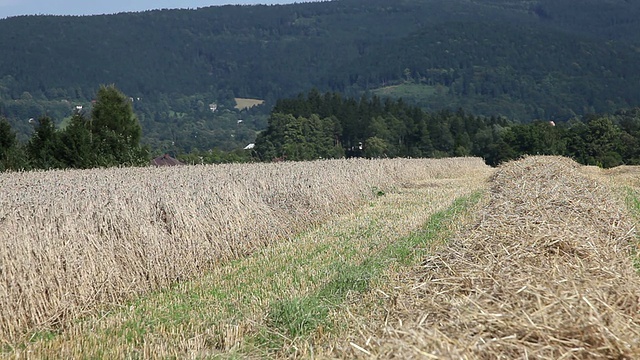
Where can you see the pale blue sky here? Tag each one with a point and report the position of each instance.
(89, 7)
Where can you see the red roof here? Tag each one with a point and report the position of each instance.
(166, 160)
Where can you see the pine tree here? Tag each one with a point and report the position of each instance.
(76, 148)
(44, 146)
(7, 142)
(116, 129)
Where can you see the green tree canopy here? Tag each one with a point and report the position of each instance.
(11, 156)
(116, 129)
(44, 145)
(76, 148)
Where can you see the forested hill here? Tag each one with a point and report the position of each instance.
(545, 59)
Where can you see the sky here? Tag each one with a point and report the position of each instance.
(93, 7)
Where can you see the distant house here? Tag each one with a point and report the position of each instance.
(166, 160)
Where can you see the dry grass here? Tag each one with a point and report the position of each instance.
(545, 272)
(242, 103)
(543, 268)
(75, 241)
(229, 312)
(625, 176)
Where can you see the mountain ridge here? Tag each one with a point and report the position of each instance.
(176, 59)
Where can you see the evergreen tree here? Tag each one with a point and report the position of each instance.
(44, 146)
(269, 143)
(12, 153)
(603, 141)
(7, 136)
(295, 146)
(116, 129)
(76, 148)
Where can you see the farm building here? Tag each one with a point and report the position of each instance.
(166, 160)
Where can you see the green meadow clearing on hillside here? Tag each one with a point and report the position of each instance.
(409, 91)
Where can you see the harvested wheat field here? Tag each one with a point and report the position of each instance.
(75, 242)
(437, 259)
(544, 271)
(627, 177)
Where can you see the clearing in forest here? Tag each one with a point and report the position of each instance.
(242, 103)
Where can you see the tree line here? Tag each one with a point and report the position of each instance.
(322, 126)
(328, 125)
(109, 136)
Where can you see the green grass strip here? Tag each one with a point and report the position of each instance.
(300, 317)
(275, 298)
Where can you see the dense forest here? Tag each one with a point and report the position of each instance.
(522, 60)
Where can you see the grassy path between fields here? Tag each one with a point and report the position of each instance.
(281, 301)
